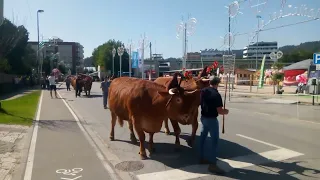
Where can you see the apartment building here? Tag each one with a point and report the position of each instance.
(69, 53)
(258, 50)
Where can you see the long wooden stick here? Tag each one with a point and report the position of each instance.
(224, 103)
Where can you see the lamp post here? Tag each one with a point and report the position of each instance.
(114, 51)
(120, 53)
(38, 56)
(1, 12)
(129, 49)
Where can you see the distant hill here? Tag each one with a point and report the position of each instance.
(313, 46)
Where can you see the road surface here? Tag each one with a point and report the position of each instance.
(257, 136)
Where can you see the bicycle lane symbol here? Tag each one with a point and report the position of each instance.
(70, 172)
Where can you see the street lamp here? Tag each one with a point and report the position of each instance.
(38, 57)
(1, 12)
(113, 54)
(120, 53)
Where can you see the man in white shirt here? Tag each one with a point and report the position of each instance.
(52, 83)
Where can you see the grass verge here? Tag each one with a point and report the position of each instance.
(20, 111)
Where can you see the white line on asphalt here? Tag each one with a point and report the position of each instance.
(240, 162)
(262, 142)
(112, 173)
(266, 114)
(29, 166)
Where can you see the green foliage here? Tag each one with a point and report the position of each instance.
(102, 55)
(298, 53)
(4, 65)
(20, 110)
(62, 68)
(15, 54)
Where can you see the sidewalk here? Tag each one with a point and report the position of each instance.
(61, 149)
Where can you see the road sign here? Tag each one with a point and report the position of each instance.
(316, 58)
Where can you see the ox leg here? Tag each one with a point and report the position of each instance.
(177, 132)
(86, 93)
(150, 145)
(132, 136)
(142, 139)
(192, 138)
(113, 124)
(166, 127)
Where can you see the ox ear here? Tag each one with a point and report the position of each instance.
(203, 72)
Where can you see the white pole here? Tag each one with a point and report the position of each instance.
(142, 56)
(130, 70)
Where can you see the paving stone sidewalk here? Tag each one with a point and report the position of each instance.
(12, 139)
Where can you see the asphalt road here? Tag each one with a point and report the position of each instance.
(260, 142)
(61, 148)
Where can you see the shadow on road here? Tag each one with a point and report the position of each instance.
(59, 125)
(186, 160)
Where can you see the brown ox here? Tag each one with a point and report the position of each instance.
(145, 104)
(195, 83)
(86, 83)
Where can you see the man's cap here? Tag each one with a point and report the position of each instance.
(214, 80)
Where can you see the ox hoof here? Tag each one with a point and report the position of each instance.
(167, 132)
(111, 138)
(143, 157)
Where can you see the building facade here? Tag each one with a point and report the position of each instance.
(68, 53)
(258, 50)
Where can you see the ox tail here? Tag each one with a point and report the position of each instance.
(120, 121)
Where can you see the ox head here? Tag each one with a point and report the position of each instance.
(202, 81)
(180, 102)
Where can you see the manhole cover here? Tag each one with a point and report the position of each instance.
(129, 166)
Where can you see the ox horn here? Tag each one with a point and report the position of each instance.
(205, 79)
(191, 92)
(171, 91)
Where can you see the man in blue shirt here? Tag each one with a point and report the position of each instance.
(105, 89)
(211, 107)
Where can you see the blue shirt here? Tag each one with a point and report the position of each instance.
(105, 86)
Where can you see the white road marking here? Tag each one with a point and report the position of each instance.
(198, 171)
(112, 173)
(262, 142)
(267, 114)
(29, 166)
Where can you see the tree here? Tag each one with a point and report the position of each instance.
(15, 54)
(102, 55)
(277, 76)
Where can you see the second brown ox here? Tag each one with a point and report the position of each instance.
(145, 104)
(194, 83)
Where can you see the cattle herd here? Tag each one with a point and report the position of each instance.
(85, 83)
(145, 105)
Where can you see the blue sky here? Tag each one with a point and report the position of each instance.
(94, 22)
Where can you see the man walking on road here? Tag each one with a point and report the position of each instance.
(211, 107)
(52, 83)
(105, 89)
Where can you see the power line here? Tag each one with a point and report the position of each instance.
(278, 27)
